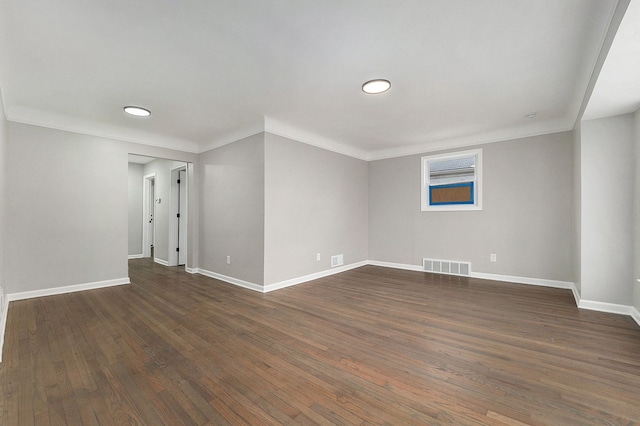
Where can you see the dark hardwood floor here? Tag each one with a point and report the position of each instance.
(368, 346)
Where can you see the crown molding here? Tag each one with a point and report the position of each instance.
(279, 128)
(53, 121)
(463, 142)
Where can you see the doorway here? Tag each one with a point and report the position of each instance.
(178, 217)
(148, 215)
(159, 223)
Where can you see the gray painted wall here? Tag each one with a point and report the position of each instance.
(527, 216)
(577, 208)
(162, 169)
(67, 207)
(636, 215)
(66, 221)
(316, 201)
(3, 216)
(231, 221)
(135, 208)
(193, 202)
(608, 170)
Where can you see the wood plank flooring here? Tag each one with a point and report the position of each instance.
(368, 346)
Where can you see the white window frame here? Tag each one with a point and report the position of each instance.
(477, 186)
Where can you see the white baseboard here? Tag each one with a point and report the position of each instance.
(3, 322)
(67, 289)
(295, 281)
(135, 256)
(230, 280)
(566, 285)
(524, 280)
(161, 262)
(635, 314)
(583, 304)
(576, 294)
(612, 308)
(484, 276)
(404, 266)
(278, 285)
(49, 292)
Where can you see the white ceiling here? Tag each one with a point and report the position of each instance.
(462, 72)
(617, 90)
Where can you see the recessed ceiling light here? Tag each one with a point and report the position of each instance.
(376, 86)
(531, 115)
(137, 111)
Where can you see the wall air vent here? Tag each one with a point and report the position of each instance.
(449, 267)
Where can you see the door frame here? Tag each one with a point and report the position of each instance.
(148, 205)
(174, 200)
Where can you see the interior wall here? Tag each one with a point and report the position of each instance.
(231, 220)
(135, 208)
(193, 224)
(3, 219)
(67, 213)
(162, 211)
(608, 174)
(636, 215)
(527, 216)
(316, 201)
(577, 209)
(68, 209)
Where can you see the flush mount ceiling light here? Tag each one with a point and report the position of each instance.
(137, 111)
(376, 86)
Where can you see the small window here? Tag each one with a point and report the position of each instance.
(452, 181)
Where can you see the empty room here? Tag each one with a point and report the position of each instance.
(355, 212)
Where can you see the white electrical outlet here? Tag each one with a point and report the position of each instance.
(228, 260)
(318, 257)
(494, 257)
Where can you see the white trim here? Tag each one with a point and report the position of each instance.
(635, 314)
(278, 285)
(576, 294)
(466, 142)
(494, 277)
(73, 125)
(612, 308)
(279, 128)
(317, 275)
(424, 197)
(146, 189)
(135, 256)
(230, 138)
(582, 304)
(230, 280)
(525, 280)
(67, 289)
(3, 321)
(566, 285)
(174, 208)
(404, 266)
(161, 261)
